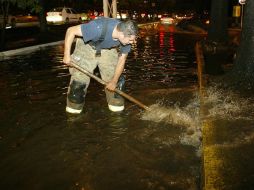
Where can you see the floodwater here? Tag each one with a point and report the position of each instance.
(43, 147)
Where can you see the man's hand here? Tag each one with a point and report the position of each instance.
(67, 60)
(111, 86)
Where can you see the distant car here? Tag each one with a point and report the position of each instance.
(122, 15)
(63, 15)
(24, 20)
(135, 15)
(21, 20)
(84, 16)
(199, 21)
(166, 19)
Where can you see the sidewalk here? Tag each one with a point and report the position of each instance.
(227, 143)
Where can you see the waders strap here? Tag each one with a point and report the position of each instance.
(97, 44)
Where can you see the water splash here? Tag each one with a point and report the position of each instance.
(218, 104)
(226, 105)
(175, 115)
(187, 116)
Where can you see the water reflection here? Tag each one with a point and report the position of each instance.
(158, 66)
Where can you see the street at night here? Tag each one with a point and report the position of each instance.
(192, 127)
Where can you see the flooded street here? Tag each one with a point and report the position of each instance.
(43, 147)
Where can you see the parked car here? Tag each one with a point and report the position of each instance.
(63, 15)
(23, 20)
(20, 20)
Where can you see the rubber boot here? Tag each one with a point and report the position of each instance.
(116, 101)
(76, 97)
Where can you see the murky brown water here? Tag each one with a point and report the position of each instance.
(42, 147)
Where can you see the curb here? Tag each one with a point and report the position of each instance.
(6, 54)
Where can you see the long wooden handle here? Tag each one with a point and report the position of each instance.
(81, 69)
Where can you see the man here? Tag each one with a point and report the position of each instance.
(98, 47)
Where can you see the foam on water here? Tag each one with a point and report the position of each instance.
(187, 116)
(218, 104)
(175, 115)
(226, 104)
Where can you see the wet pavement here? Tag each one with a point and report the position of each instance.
(184, 143)
(29, 36)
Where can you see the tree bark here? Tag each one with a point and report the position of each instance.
(2, 41)
(42, 17)
(214, 46)
(218, 29)
(4, 14)
(243, 68)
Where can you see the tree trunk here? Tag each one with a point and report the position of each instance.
(4, 15)
(2, 40)
(42, 16)
(215, 45)
(218, 30)
(243, 68)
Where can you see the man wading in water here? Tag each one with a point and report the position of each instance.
(98, 47)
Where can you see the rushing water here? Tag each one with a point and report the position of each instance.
(42, 147)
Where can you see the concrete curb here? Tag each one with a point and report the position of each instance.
(6, 54)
